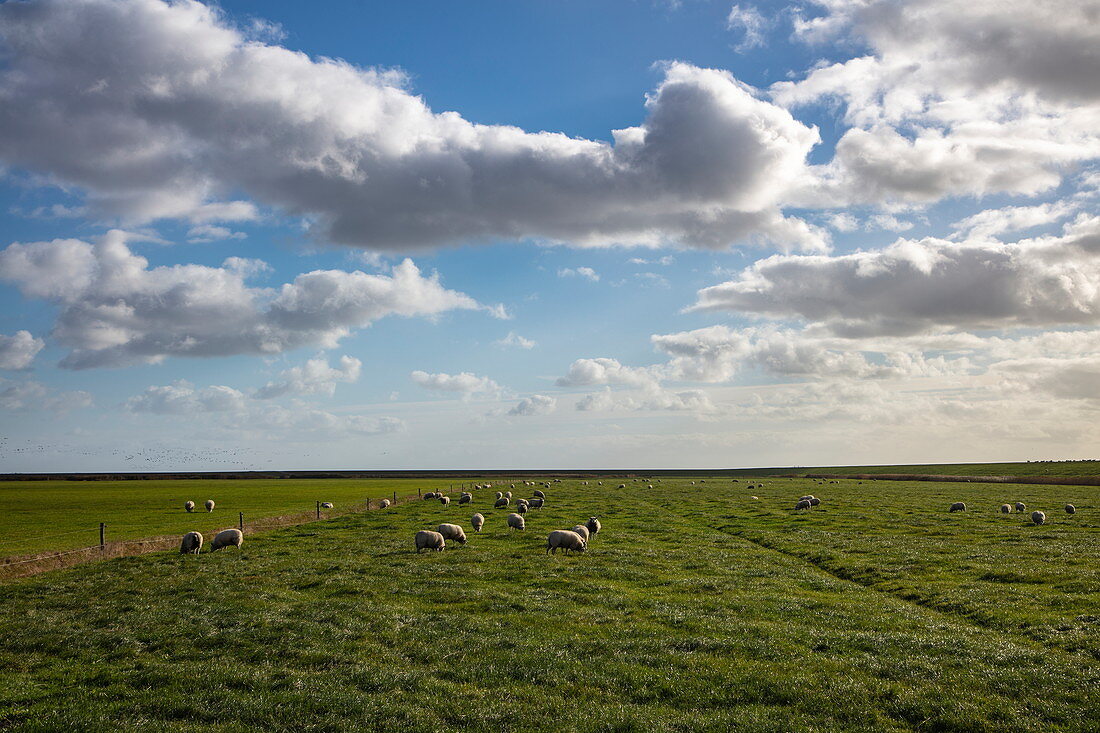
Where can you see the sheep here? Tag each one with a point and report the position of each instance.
(593, 525)
(807, 497)
(383, 504)
(507, 494)
(429, 540)
(429, 495)
(755, 497)
(189, 506)
(452, 532)
(1071, 509)
(515, 521)
(500, 495)
(1006, 509)
(1020, 506)
(227, 538)
(326, 505)
(582, 531)
(444, 500)
(622, 486)
(539, 494)
(815, 501)
(803, 504)
(521, 508)
(536, 503)
(599, 483)
(192, 543)
(465, 499)
(209, 505)
(565, 539)
(958, 506)
(500, 503)
(477, 522)
(1038, 517)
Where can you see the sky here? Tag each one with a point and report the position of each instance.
(692, 234)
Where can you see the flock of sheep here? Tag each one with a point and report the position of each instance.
(192, 541)
(567, 540)
(1037, 517)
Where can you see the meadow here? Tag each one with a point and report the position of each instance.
(697, 607)
(1061, 469)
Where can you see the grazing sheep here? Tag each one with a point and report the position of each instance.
(803, 504)
(465, 499)
(1038, 517)
(209, 505)
(1071, 509)
(192, 543)
(521, 508)
(815, 501)
(477, 522)
(429, 495)
(582, 531)
(1006, 509)
(326, 505)
(807, 497)
(500, 495)
(593, 525)
(189, 506)
(566, 540)
(536, 503)
(452, 532)
(622, 486)
(1020, 506)
(755, 497)
(958, 506)
(383, 504)
(500, 503)
(507, 494)
(515, 521)
(227, 538)
(444, 500)
(599, 483)
(539, 494)
(429, 540)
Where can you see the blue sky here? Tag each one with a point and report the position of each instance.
(830, 232)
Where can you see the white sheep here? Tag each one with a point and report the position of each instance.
(1071, 509)
(807, 497)
(326, 505)
(500, 503)
(429, 540)
(444, 500)
(536, 503)
(465, 499)
(1038, 517)
(815, 501)
(521, 508)
(477, 521)
(1020, 506)
(192, 543)
(803, 504)
(958, 506)
(539, 494)
(227, 538)
(500, 495)
(429, 495)
(383, 504)
(189, 506)
(622, 486)
(452, 532)
(755, 497)
(593, 525)
(515, 521)
(565, 539)
(507, 494)
(581, 530)
(1006, 509)
(209, 505)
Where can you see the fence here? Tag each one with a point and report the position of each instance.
(21, 566)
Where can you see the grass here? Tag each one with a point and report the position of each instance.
(697, 608)
(1064, 469)
(37, 516)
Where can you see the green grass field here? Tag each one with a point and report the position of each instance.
(39, 516)
(1060, 469)
(697, 608)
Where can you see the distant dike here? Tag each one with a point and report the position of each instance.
(552, 473)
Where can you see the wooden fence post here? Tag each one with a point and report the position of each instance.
(395, 497)
(242, 521)
(368, 504)
(102, 535)
(318, 510)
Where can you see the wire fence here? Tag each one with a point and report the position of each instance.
(21, 566)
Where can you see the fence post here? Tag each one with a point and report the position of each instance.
(395, 497)
(417, 492)
(102, 535)
(242, 521)
(318, 510)
(368, 504)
